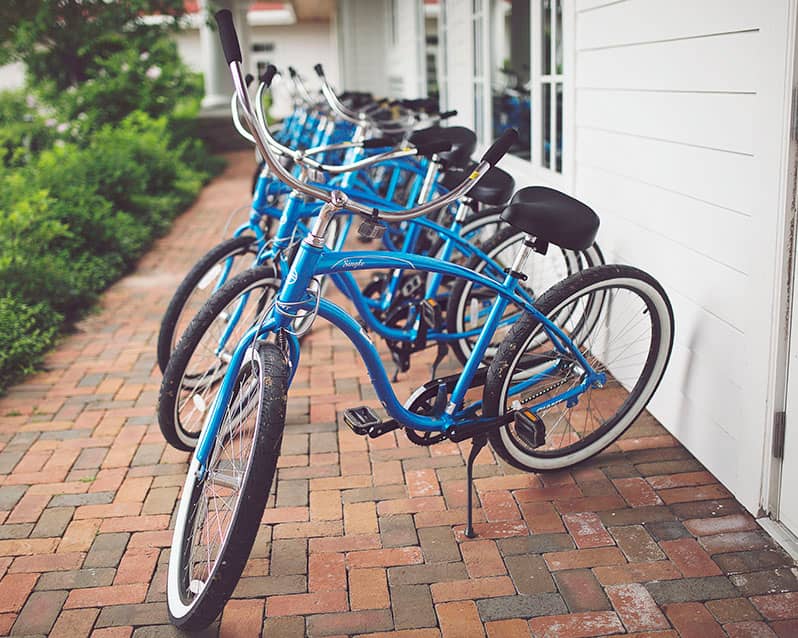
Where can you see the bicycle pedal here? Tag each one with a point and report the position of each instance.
(361, 419)
(530, 428)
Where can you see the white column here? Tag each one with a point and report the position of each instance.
(218, 85)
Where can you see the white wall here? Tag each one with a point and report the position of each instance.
(678, 106)
(363, 33)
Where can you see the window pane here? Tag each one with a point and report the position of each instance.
(510, 54)
(545, 39)
(558, 37)
(558, 131)
(545, 123)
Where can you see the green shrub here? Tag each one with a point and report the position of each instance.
(26, 332)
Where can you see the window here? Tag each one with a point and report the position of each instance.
(551, 85)
(510, 66)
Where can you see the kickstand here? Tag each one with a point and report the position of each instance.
(477, 443)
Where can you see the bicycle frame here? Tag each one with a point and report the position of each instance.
(311, 261)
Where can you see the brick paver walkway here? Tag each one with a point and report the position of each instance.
(366, 536)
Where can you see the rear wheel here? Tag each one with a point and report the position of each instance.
(622, 323)
(199, 362)
(220, 511)
(218, 265)
(470, 303)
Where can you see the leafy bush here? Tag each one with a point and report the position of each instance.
(26, 332)
(97, 157)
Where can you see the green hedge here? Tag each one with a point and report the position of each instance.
(88, 178)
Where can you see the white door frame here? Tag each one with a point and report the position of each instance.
(785, 281)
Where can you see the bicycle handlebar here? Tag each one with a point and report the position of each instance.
(336, 199)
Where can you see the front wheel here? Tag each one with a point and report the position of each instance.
(221, 509)
(621, 321)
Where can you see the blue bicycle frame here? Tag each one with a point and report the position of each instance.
(293, 294)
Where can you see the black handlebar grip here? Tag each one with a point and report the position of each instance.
(227, 32)
(377, 142)
(447, 114)
(319, 69)
(500, 147)
(429, 148)
(292, 72)
(248, 79)
(268, 75)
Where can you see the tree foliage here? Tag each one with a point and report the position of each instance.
(59, 40)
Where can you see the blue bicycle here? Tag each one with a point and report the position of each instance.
(572, 375)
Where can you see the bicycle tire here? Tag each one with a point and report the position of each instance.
(190, 609)
(169, 335)
(181, 427)
(610, 281)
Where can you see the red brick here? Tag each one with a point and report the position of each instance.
(79, 536)
(729, 610)
(368, 589)
(580, 558)
(325, 505)
(749, 629)
(540, 494)
(75, 623)
(459, 620)
(509, 482)
(584, 625)
(785, 628)
(242, 618)
(699, 493)
(683, 479)
(102, 596)
(637, 573)
(514, 628)
(542, 518)
(326, 572)
(135, 523)
(777, 606)
(346, 543)
(692, 620)
(6, 621)
(499, 506)
(637, 492)
(647, 443)
(411, 505)
(308, 530)
(735, 542)
(636, 607)
(690, 558)
(500, 529)
(285, 515)
(301, 604)
(360, 518)
(385, 557)
(422, 483)
(720, 525)
(14, 591)
(404, 633)
(47, 562)
(482, 559)
(137, 566)
(472, 589)
(587, 530)
(589, 504)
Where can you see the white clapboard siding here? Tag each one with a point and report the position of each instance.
(728, 63)
(363, 45)
(675, 100)
(724, 179)
(706, 229)
(685, 117)
(404, 55)
(629, 22)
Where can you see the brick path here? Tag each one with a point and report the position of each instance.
(366, 536)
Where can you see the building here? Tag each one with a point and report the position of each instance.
(674, 120)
